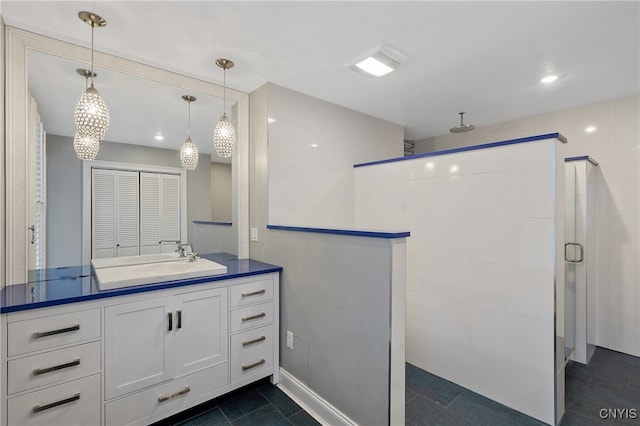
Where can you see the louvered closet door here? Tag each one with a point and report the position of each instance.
(103, 213)
(127, 223)
(159, 212)
(149, 213)
(114, 213)
(170, 217)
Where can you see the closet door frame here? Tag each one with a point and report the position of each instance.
(86, 195)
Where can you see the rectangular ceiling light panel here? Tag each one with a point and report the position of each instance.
(376, 64)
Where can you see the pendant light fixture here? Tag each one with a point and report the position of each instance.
(91, 114)
(189, 150)
(86, 147)
(224, 135)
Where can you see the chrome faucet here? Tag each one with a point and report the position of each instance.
(179, 250)
(192, 257)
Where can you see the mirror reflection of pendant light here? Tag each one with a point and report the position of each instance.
(224, 135)
(86, 147)
(91, 114)
(189, 150)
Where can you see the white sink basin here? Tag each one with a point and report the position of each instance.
(110, 262)
(147, 273)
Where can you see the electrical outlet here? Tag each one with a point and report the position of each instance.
(289, 339)
(254, 234)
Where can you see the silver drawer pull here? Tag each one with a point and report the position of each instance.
(39, 371)
(39, 334)
(252, 317)
(254, 293)
(184, 391)
(255, 364)
(251, 342)
(39, 408)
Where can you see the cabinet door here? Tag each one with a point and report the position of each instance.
(201, 337)
(137, 340)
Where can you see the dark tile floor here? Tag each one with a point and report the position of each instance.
(260, 403)
(431, 400)
(611, 381)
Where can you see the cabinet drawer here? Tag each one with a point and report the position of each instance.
(251, 317)
(250, 293)
(252, 352)
(53, 367)
(169, 398)
(48, 332)
(76, 402)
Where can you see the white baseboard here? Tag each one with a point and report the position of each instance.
(311, 402)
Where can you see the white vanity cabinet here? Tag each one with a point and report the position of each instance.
(51, 367)
(150, 341)
(251, 328)
(141, 357)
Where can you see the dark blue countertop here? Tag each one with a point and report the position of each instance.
(59, 286)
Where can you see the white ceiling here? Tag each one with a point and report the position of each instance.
(485, 58)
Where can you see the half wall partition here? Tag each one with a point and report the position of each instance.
(483, 267)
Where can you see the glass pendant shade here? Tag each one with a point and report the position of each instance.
(86, 147)
(91, 114)
(189, 155)
(224, 137)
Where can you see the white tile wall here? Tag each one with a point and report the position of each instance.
(313, 146)
(480, 265)
(616, 146)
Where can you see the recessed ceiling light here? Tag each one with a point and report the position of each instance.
(374, 67)
(377, 63)
(314, 145)
(549, 79)
(271, 120)
(590, 129)
(159, 137)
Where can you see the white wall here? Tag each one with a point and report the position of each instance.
(214, 238)
(2, 143)
(221, 192)
(313, 186)
(481, 264)
(339, 315)
(616, 146)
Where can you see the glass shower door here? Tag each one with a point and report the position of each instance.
(572, 256)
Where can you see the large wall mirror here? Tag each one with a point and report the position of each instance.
(53, 230)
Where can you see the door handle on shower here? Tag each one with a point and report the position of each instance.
(575, 259)
(33, 233)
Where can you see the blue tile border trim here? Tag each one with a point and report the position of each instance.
(349, 232)
(467, 148)
(581, 158)
(209, 222)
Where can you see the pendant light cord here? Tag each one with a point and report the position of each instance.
(224, 91)
(189, 126)
(92, 26)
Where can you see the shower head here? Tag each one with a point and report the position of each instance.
(462, 128)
